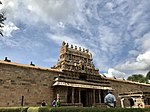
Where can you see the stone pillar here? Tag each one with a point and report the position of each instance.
(122, 104)
(99, 96)
(79, 96)
(58, 96)
(93, 97)
(72, 95)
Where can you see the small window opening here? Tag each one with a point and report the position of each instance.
(82, 77)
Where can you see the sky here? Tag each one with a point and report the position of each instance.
(117, 32)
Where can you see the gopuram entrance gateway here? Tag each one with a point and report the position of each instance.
(79, 84)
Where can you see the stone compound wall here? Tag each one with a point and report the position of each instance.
(34, 83)
(121, 86)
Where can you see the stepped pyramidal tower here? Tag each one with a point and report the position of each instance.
(76, 59)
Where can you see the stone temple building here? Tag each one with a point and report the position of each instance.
(74, 79)
(80, 80)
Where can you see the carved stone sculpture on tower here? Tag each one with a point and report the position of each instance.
(74, 59)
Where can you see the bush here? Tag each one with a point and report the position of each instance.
(93, 109)
(66, 109)
(24, 109)
(39, 109)
(13, 109)
(33, 109)
(45, 109)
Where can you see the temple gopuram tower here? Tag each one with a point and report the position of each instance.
(76, 59)
(80, 83)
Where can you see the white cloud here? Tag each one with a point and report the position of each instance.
(48, 11)
(8, 29)
(106, 40)
(145, 58)
(143, 43)
(133, 53)
(55, 9)
(31, 12)
(7, 42)
(59, 39)
(115, 73)
(142, 63)
(138, 22)
(110, 5)
(9, 26)
(61, 25)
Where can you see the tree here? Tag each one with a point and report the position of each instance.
(148, 75)
(138, 78)
(2, 19)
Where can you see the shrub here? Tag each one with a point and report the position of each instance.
(13, 109)
(93, 109)
(45, 109)
(33, 109)
(24, 109)
(39, 109)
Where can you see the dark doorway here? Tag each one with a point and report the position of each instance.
(131, 102)
(83, 98)
(103, 94)
(69, 96)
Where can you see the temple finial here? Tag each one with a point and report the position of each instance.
(87, 50)
(75, 47)
(67, 45)
(79, 48)
(63, 43)
(83, 50)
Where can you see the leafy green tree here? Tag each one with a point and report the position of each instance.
(148, 75)
(138, 78)
(2, 19)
